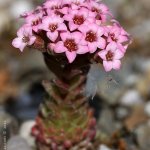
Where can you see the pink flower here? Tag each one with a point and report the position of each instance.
(25, 37)
(100, 10)
(118, 35)
(92, 37)
(76, 18)
(111, 57)
(70, 44)
(53, 24)
(34, 20)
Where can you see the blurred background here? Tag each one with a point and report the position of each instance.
(123, 97)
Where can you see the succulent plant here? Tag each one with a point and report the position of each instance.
(65, 120)
(72, 34)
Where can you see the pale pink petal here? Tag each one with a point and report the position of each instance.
(84, 12)
(68, 17)
(36, 28)
(83, 41)
(92, 47)
(77, 36)
(103, 7)
(72, 26)
(121, 47)
(102, 54)
(122, 39)
(62, 27)
(93, 27)
(83, 28)
(111, 46)
(32, 40)
(52, 35)
(89, 20)
(71, 56)
(47, 20)
(118, 54)
(65, 35)
(22, 47)
(116, 64)
(82, 49)
(64, 10)
(59, 47)
(108, 65)
(17, 43)
(100, 31)
(20, 32)
(101, 43)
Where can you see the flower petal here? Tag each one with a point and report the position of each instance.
(62, 27)
(122, 39)
(101, 43)
(116, 64)
(102, 54)
(92, 47)
(111, 46)
(65, 35)
(32, 40)
(108, 65)
(72, 26)
(94, 27)
(83, 28)
(82, 49)
(77, 36)
(20, 32)
(118, 54)
(17, 43)
(100, 31)
(59, 47)
(64, 10)
(71, 56)
(52, 35)
(68, 17)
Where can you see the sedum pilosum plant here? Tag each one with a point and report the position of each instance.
(71, 34)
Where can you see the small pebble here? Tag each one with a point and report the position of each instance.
(25, 132)
(17, 143)
(131, 98)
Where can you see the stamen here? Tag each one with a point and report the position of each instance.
(78, 20)
(109, 56)
(25, 39)
(90, 36)
(53, 27)
(112, 35)
(70, 45)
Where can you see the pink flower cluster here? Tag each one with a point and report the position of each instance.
(76, 27)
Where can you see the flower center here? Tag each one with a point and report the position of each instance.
(91, 36)
(112, 35)
(94, 9)
(71, 45)
(36, 22)
(53, 27)
(109, 56)
(98, 17)
(78, 20)
(25, 39)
